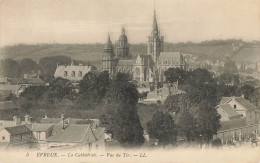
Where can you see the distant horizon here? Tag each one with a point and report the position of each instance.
(89, 21)
(113, 42)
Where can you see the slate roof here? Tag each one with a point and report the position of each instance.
(245, 103)
(25, 81)
(40, 127)
(125, 63)
(170, 55)
(72, 133)
(7, 105)
(18, 130)
(229, 110)
(67, 120)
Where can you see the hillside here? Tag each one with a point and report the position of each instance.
(213, 50)
(249, 54)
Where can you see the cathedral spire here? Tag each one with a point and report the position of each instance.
(155, 26)
(108, 43)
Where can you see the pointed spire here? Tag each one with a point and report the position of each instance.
(155, 26)
(108, 43)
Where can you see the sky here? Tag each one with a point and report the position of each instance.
(89, 21)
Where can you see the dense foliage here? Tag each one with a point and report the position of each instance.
(162, 128)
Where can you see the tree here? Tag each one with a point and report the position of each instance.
(208, 121)
(60, 88)
(175, 74)
(48, 65)
(187, 125)
(93, 88)
(28, 66)
(162, 127)
(9, 68)
(199, 76)
(173, 102)
(33, 93)
(247, 91)
(121, 116)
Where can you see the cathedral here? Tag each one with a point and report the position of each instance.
(145, 68)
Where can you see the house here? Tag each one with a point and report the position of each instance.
(239, 119)
(49, 135)
(69, 133)
(17, 137)
(242, 106)
(15, 122)
(93, 122)
(72, 72)
(227, 112)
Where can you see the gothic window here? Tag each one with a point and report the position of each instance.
(137, 71)
(65, 73)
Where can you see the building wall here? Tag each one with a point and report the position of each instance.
(237, 134)
(4, 136)
(251, 117)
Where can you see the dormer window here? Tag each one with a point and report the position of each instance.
(80, 73)
(73, 74)
(65, 73)
(235, 106)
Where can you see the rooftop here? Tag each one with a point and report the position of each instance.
(72, 133)
(245, 103)
(17, 130)
(229, 110)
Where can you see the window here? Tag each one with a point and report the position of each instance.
(73, 74)
(235, 106)
(65, 73)
(80, 73)
(3, 137)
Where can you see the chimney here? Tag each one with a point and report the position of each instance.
(16, 120)
(45, 117)
(243, 96)
(62, 118)
(27, 119)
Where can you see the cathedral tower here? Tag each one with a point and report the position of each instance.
(155, 41)
(108, 58)
(122, 47)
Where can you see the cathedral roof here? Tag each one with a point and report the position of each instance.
(125, 63)
(170, 55)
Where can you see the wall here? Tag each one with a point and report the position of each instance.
(5, 134)
(237, 134)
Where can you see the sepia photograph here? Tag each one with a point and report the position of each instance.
(172, 81)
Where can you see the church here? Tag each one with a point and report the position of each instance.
(145, 68)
